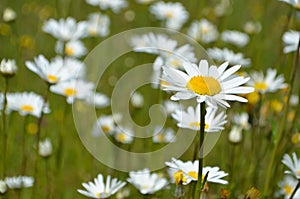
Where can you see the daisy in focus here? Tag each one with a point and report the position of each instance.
(190, 119)
(203, 31)
(146, 182)
(236, 38)
(99, 189)
(114, 5)
(290, 40)
(173, 14)
(211, 84)
(293, 164)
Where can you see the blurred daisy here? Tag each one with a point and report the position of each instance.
(8, 67)
(269, 83)
(290, 40)
(66, 29)
(287, 186)
(191, 119)
(171, 106)
(242, 120)
(26, 103)
(294, 100)
(203, 31)
(19, 182)
(3, 187)
(292, 164)
(98, 189)
(98, 25)
(98, 99)
(252, 27)
(211, 84)
(235, 135)
(162, 135)
(137, 100)
(58, 70)
(45, 148)
(123, 135)
(73, 48)
(73, 89)
(236, 38)
(146, 182)
(222, 55)
(185, 172)
(145, 1)
(114, 5)
(9, 15)
(173, 14)
(106, 123)
(294, 3)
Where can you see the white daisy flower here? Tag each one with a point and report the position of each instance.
(164, 135)
(203, 31)
(252, 27)
(290, 40)
(137, 100)
(8, 67)
(124, 135)
(19, 182)
(73, 89)
(191, 119)
(292, 164)
(185, 172)
(287, 186)
(98, 25)
(98, 99)
(114, 5)
(99, 189)
(294, 3)
(173, 14)
(45, 148)
(146, 182)
(26, 103)
(235, 135)
(236, 38)
(106, 123)
(73, 48)
(269, 83)
(294, 100)
(171, 106)
(242, 120)
(222, 55)
(211, 84)
(3, 187)
(58, 70)
(66, 29)
(9, 15)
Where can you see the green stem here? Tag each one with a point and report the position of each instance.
(202, 130)
(282, 125)
(295, 190)
(4, 141)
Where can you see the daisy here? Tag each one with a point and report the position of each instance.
(290, 40)
(98, 25)
(19, 182)
(8, 67)
(73, 48)
(185, 172)
(26, 103)
(137, 100)
(123, 135)
(98, 189)
(58, 70)
(107, 125)
(191, 119)
(173, 14)
(287, 186)
(292, 164)
(294, 3)
(115, 5)
(45, 148)
(242, 120)
(171, 106)
(252, 27)
(9, 15)
(163, 135)
(225, 54)
(3, 187)
(203, 31)
(73, 89)
(269, 83)
(236, 38)
(235, 135)
(99, 100)
(66, 29)
(211, 84)
(146, 182)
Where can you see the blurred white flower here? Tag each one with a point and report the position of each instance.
(9, 15)
(104, 124)
(73, 89)
(269, 83)
(3, 187)
(146, 182)
(190, 119)
(145, 1)
(252, 27)
(19, 182)
(222, 8)
(98, 99)
(236, 38)
(137, 100)
(173, 14)
(171, 106)
(241, 120)
(287, 186)
(8, 67)
(290, 40)
(114, 5)
(124, 193)
(66, 29)
(99, 189)
(294, 3)
(203, 31)
(26, 103)
(73, 48)
(123, 135)
(45, 148)
(235, 134)
(164, 135)
(222, 55)
(294, 100)
(292, 164)
(98, 25)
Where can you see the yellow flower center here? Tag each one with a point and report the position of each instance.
(197, 125)
(179, 177)
(169, 14)
(204, 30)
(202, 85)
(253, 97)
(52, 78)
(121, 137)
(260, 86)
(69, 51)
(298, 172)
(92, 31)
(288, 189)
(297, 5)
(193, 174)
(296, 140)
(175, 62)
(160, 137)
(105, 128)
(27, 108)
(98, 194)
(69, 92)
